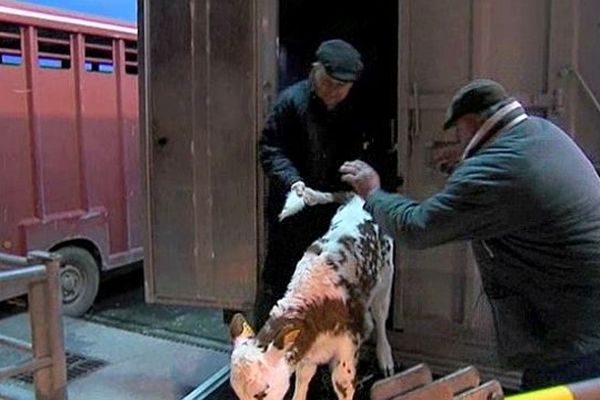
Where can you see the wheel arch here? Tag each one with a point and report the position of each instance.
(85, 244)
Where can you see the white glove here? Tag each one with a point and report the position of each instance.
(293, 204)
(298, 187)
(310, 196)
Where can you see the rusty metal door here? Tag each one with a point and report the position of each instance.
(440, 311)
(199, 117)
(579, 80)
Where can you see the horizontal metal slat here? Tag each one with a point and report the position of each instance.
(96, 59)
(59, 56)
(63, 42)
(25, 366)
(15, 344)
(10, 51)
(28, 274)
(10, 35)
(9, 259)
(106, 47)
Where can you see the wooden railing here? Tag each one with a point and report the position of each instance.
(37, 276)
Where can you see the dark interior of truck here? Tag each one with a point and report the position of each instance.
(373, 30)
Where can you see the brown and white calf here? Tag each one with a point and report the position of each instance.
(341, 284)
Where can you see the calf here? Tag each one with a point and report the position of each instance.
(343, 280)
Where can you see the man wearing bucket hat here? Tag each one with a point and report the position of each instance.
(528, 199)
(311, 130)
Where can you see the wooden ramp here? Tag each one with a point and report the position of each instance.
(417, 383)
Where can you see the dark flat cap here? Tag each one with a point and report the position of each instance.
(340, 59)
(474, 97)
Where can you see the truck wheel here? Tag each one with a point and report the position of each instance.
(79, 280)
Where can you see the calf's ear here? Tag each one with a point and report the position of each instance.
(286, 337)
(239, 328)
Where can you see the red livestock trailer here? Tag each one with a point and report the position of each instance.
(69, 155)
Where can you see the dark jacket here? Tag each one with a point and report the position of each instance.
(530, 202)
(302, 140)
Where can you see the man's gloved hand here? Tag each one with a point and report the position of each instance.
(298, 187)
(294, 201)
(300, 196)
(309, 196)
(312, 197)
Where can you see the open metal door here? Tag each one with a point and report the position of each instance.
(441, 314)
(199, 121)
(578, 78)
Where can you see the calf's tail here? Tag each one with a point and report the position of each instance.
(295, 202)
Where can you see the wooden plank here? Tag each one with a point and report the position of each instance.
(433, 391)
(416, 384)
(445, 387)
(488, 391)
(415, 377)
(461, 380)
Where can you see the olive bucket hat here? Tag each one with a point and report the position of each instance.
(474, 97)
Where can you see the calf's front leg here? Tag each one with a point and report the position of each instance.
(380, 306)
(343, 374)
(304, 374)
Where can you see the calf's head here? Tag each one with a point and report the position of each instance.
(260, 371)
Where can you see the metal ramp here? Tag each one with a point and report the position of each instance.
(210, 385)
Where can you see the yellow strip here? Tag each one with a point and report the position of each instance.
(555, 393)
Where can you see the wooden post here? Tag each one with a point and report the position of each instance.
(56, 333)
(38, 317)
(45, 313)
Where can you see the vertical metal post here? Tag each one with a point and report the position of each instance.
(55, 331)
(78, 68)
(45, 306)
(30, 57)
(38, 317)
(119, 62)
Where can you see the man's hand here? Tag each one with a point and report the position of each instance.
(361, 176)
(310, 196)
(446, 155)
(298, 187)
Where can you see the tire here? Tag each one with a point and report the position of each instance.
(79, 280)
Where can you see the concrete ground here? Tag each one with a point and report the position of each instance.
(135, 366)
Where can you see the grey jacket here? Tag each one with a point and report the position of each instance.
(530, 203)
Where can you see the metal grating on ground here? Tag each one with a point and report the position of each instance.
(77, 366)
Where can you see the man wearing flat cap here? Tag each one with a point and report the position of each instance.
(311, 130)
(528, 199)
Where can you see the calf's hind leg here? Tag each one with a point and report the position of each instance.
(380, 306)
